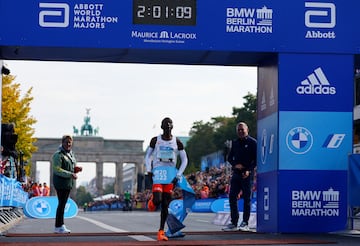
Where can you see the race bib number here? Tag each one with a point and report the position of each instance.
(163, 175)
(165, 154)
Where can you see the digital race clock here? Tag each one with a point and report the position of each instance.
(164, 12)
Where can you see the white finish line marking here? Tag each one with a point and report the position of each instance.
(115, 229)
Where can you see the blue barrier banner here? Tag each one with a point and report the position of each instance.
(222, 205)
(44, 207)
(203, 205)
(12, 193)
(354, 180)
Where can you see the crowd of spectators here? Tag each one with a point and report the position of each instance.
(212, 183)
(36, 189)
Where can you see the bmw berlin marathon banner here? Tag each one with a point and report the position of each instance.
(305, 50)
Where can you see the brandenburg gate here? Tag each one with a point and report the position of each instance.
(90, 148)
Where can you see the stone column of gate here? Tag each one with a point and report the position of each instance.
(139, 170)
(52, 189)
(99, 178)
(119, 177)
(33, 171)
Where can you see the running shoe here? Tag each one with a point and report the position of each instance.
(161, 236)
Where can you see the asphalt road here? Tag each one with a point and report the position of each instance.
(140, 227)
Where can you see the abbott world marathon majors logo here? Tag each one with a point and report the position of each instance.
(84, 16)
(315, 203)
(299, 140)
(316, 84)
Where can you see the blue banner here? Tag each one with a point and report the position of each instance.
(295, 201)
(309, 142)
(223, 205)
(267, 101)
(312, 201)
(44, 207)
(268, 143)
(314, 82)
(203, 205)
(12, 193)
(259, 26)
(268, 201)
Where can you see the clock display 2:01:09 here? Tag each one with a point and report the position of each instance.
(164, 12)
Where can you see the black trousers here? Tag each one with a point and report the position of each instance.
(62, 196)
(237, 184)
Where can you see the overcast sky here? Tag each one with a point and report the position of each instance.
(128, 101)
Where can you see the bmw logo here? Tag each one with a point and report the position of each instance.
(299, 140)
(41, 208)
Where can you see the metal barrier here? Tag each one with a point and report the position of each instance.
(9, 216)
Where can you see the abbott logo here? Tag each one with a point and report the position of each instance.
(55, 15)
(327, 14)
(316, 84)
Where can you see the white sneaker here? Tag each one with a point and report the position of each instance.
(61, 230)
(244, 226)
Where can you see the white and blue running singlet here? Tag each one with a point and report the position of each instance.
(165, 152)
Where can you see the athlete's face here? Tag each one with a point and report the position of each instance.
(167, 124)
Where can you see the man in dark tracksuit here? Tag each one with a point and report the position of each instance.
(242, 157)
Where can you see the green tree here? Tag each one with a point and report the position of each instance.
(248, 113)
(209, 137)
(82, 196)
(109, 188)
(224, 130)
(200, 144)
(15, 108)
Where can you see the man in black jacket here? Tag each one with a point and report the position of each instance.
(242, 157)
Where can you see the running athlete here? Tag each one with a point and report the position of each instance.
(162, 154)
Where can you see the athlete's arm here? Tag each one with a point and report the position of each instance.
(148, 155)
(184, 162)
(183, 157)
